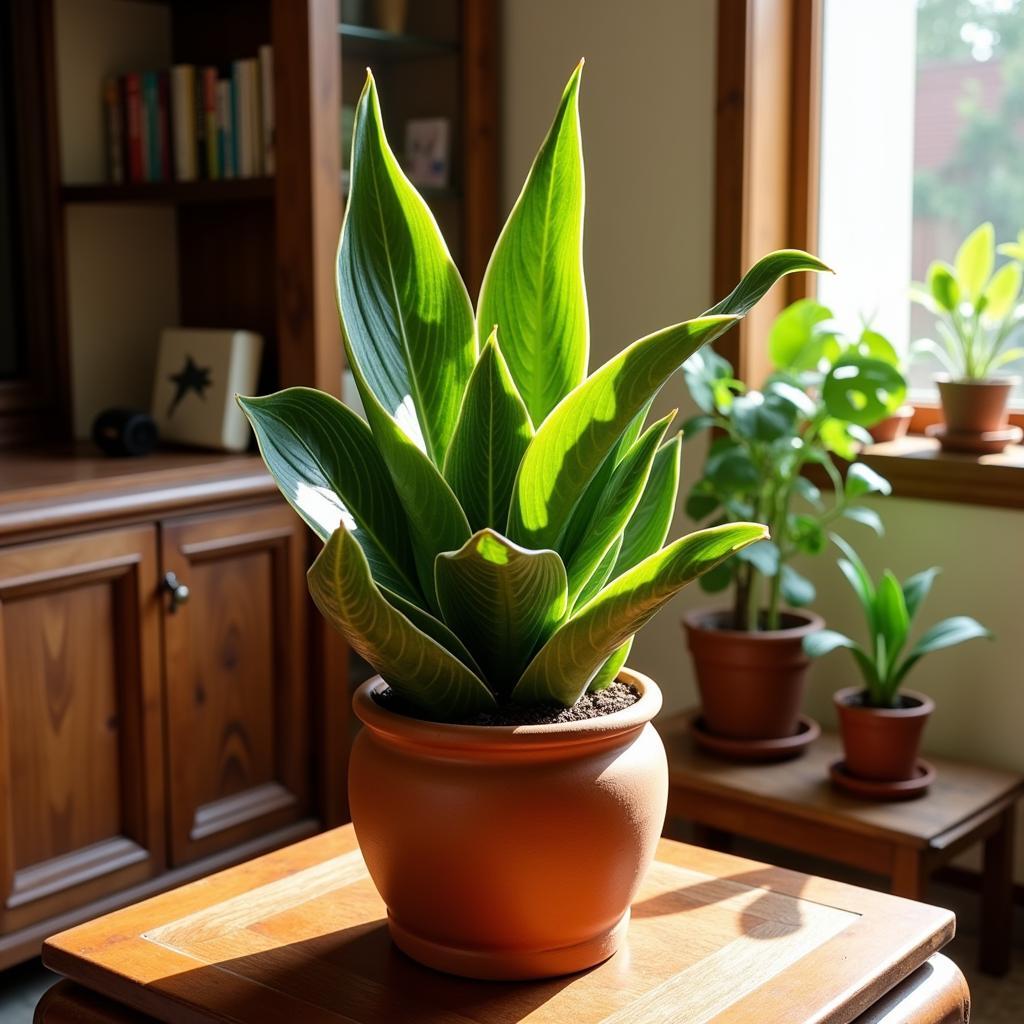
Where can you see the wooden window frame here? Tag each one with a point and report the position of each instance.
(767, 143)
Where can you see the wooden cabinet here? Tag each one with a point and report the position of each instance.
(148, 736)
(81, 751)
(234, 675)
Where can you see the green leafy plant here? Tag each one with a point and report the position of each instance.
(889, 609)
(493, 530)
(824, 391)
(977, 308)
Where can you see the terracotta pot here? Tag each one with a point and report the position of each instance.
(893, 427)
(882, 744)
(975, 406)
(751, 684)
(508, 852)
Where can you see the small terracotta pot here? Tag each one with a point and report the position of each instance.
(975, 406)
(882, 744)
(508, 852)
(893, 427)
(751, 684)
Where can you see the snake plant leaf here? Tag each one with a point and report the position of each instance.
(433, 513)
(601, 575)
(649, 524)
(533, 288)
(563, 668)
(503, 599)
(917, 587)
(609, 671)
(761, 276)
(434, 628)
(892, 616)
(490, 437)
(574, 440)
(615, 506)
(418, 668)
(323, 459)
(955, 630)
(406, 315)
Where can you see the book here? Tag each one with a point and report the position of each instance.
(163, 82)
(199, 125)
(183, 85)
(150, 127)
(266, 64)
(113, 119)
(210, 123)
(247, 118)
(252, 68)
(239, 96)
(132, 86)
(225, 131)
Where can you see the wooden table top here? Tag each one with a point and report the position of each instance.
(801, 788)
(300, 934)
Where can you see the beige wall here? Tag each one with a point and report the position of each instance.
(648, 130)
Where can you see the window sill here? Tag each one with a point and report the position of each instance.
(918, 468)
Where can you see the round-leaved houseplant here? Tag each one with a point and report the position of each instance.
(815, 406)
(494, 536)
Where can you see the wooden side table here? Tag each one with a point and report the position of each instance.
(793, 805)
(299, 935)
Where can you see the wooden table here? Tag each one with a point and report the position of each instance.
(299, 935)
(793, 805)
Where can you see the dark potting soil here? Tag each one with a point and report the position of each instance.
(860, 700)
(591, 705)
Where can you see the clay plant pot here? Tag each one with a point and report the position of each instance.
(893, 427)
(975, 406)
(882, 744)
(751, 684)
(508, 852)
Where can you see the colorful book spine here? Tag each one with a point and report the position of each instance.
(183, 87)
(199, 125)
(225, 133)
(266, 66)
(210, 123)
(252, 71)
(133, 125)
(150, 126)
(166, 135)
(113, 118)
(241, 132)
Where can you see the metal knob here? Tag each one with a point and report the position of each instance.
(177, 590)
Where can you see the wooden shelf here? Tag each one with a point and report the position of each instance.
(361, 40)
(172, 192)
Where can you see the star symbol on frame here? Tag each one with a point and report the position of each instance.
(191, 377)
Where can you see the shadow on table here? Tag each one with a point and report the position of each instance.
(772, 914)
(358, 972)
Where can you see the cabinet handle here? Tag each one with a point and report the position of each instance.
(178, 591)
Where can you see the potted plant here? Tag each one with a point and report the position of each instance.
(978, 316)
(823, 393)
(881, 723)
(493, 538)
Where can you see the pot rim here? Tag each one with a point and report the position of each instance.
(841, 699)
(449, 736)
(1008, 381)
(692, 621)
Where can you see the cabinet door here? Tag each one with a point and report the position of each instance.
(235, 677)
(81, 762)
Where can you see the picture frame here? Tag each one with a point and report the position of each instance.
(428, 151)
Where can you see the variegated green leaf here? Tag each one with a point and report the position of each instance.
(609, 671)
(533, 288)
(615, 506)
(489, 440)
(761, 276)
(503, 599)
(407, 318)
(417, 667)
(601, 575)
(435, 628)
(564, 667)
(323, 459)
(648, 526)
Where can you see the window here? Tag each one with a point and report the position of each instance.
(922, 139)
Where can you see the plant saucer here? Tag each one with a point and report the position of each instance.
(989, 442)
(779, 749)
(872, 789)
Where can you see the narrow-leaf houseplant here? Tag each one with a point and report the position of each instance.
(881, 723)
(979, 318)
(823, 393)
(493, 538)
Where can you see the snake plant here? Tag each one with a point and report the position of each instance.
(494, 528)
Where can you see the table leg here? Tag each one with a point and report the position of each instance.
(997, 898)
(909, 878)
